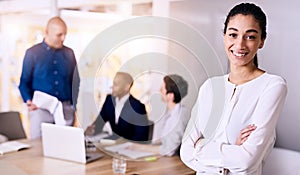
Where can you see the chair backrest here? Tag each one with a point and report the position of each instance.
(11, 125)
(151, 126)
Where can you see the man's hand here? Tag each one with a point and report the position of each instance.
(90, 130)
(244, 134)
(31, 106)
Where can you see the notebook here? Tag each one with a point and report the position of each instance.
(66, 143)
(12, 146)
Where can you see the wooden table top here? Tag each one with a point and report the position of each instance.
(32, 162)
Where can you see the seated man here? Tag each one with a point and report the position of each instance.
(169, 129)
(125, 114)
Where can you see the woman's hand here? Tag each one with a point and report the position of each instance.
(198, 141)
(244, 134)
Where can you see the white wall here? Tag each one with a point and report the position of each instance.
(279, 56)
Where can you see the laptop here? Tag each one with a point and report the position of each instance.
(66, 143)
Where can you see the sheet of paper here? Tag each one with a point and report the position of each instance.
(50, 103)
(123, 150)
(97, 138)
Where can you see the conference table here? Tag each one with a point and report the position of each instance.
(32, 162)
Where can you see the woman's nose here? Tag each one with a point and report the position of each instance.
(240, 42)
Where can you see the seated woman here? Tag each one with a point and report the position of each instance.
(169, 129)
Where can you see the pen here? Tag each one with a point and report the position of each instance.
(150, 159)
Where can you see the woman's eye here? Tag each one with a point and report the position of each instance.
(233, 35)
(251, 37)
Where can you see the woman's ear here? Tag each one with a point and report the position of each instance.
(261, 45)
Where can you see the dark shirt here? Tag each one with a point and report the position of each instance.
(133, 123)
(50, 71)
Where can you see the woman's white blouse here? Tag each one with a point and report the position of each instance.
(257, 102)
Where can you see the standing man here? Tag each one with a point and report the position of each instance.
(50, 67)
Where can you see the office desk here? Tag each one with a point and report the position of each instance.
(32, 162)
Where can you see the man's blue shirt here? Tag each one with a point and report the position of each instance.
(50, 71)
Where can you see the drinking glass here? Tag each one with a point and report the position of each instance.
(119, 165)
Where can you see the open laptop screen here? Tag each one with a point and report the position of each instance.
(65, 142)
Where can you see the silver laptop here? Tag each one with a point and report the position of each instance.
(66, 143)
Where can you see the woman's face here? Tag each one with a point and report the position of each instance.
(242, 39)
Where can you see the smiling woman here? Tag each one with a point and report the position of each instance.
(244, 34)
(253, 101)
(242, 40)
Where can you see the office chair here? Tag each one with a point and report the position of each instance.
(11, 125)
(151, 127)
